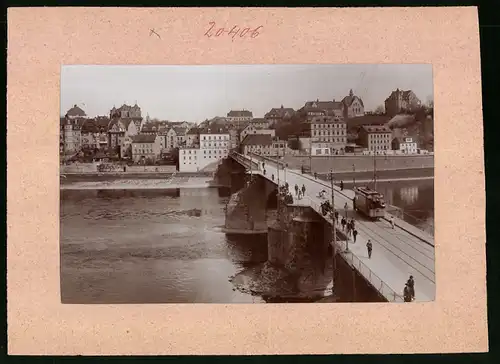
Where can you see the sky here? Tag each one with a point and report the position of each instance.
(196, 93)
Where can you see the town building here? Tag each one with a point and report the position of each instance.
(120, 132)
(193, 137)
(327, 132)
(400, 101)
(145, 148)
(263, 144)
(353, 106)
(251, 128)
(405, 145)
(94, 134)
(312, 109)
(70, 130)
(128, 113)
(237, 116)
(259, 123)
(214, 144)
(278, 115)
(375, 138)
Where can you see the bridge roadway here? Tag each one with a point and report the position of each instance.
(397, 253)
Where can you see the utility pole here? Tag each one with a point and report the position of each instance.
(334, 232)
(353, 177)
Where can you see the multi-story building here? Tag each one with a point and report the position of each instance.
(126, 112)
(328, 132)
(251, 128)
(353, 106)
(145, 148)
(214, 145)
(120, 133)
(193, 137)
(71, 127)
(277, 115)
(263, 144)
(401, 101)
(405, 145)
(375, 138)
(259, 123)
(238, 116)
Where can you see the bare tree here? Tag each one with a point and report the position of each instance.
(430, 102)
(380, 109)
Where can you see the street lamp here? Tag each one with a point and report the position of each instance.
(353, 177)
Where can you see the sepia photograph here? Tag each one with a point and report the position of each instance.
(247, 184)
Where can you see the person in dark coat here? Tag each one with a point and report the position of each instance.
(341, 185)
(296, 190)
(352, 224)
(369, 246)
(411, 286)
(406, 293)
(343, 223)
(336, 217)
(272, 177)
(354, 234)
(303, 190)
(349, 228)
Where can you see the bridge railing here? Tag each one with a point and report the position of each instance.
(362, 268)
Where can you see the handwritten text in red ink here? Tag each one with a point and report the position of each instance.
(234, 32)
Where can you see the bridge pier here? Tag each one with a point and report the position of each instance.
(246, 210)
(298, 243)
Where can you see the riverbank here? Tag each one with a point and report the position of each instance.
(111, 183)
(107, 176)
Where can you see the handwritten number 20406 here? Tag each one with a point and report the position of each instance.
(233, 32)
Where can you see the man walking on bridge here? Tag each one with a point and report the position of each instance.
(336, 217)
(354, 234)
(341, 185)
(296, 190)
(369, 247)
(303, 190)
(392, 221)
(411, 287)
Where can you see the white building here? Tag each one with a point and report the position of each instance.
(214, 145)
(405, 145)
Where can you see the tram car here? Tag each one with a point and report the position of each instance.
(369, 202)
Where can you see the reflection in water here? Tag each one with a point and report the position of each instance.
(151, 246)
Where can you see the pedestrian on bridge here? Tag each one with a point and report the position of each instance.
(272, 177)
(303, 189)
(296, 190)
(369, 246)
(411, 286)
(407, 293)
(341, 185)
(336, 217)
(349, 229)
(343, 222)
(392, 221)
(353, 224)
(354, 234)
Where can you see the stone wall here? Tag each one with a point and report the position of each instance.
(352, 286)
(361, 163)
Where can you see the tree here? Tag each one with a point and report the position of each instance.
(430, 102)
(380, 110)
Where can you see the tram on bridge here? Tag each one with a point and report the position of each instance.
(369, 202)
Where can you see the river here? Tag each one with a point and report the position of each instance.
(166, 246)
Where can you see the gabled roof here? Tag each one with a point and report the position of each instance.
(258, 121)
(279, 112)
(348, 100)
(193, 131)
(143, 138)
(376, 129)
(75, 111)
(240, 113)
(323, 105)
(404, 94)
(258, 139)
(179, 131)
(211, 130)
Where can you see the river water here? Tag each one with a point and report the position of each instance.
(166, 246)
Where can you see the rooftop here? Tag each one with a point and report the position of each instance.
(376, 129)
(75, 111)
(258, 139)
(240, 113)
(143, 138)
